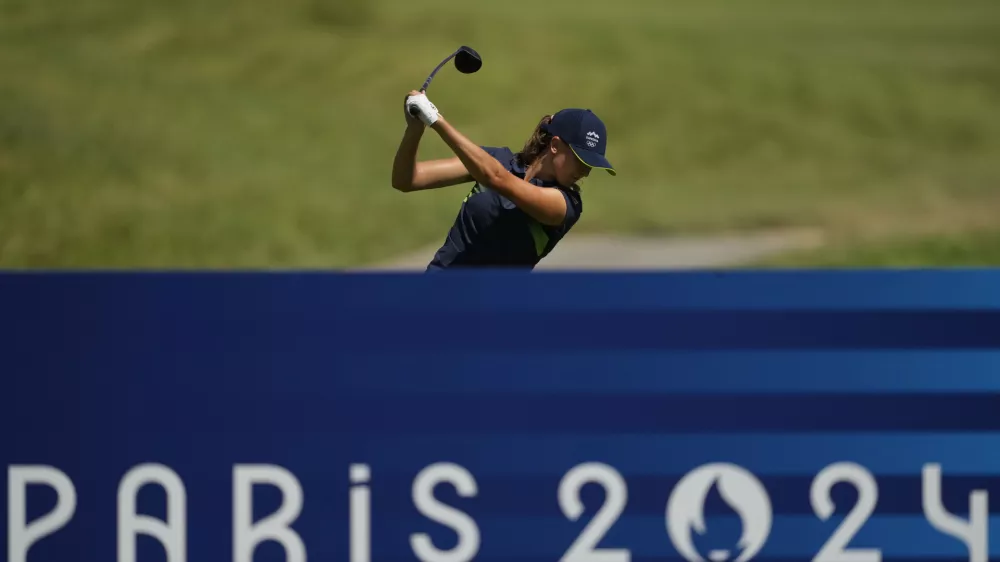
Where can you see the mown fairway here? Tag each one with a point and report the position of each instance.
(245, 133)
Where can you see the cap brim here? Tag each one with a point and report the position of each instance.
(593, 159)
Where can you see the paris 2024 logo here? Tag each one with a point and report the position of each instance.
(744, 494)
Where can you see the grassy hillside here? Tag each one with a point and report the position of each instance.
(978, 248)
(244, 133)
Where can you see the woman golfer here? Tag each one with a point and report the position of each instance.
(522, 204)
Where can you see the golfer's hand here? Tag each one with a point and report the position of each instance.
(426, 111)
(411, 120)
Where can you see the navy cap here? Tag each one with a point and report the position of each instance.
(585, 133)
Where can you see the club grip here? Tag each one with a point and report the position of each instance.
(413, 110)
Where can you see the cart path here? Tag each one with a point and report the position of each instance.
(619, 252)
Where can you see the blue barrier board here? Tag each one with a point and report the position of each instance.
(579, 417)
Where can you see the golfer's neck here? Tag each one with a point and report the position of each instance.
(538, 170)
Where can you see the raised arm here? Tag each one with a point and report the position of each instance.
(409, 175)
(546, 205)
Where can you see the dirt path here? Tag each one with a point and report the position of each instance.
(613, 252)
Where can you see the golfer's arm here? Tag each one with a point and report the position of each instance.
(547, 206)
(409, 175)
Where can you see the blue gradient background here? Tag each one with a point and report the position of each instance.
(516, 377)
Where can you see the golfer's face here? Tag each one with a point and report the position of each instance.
(569, 168)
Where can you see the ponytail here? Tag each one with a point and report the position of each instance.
(536, 145)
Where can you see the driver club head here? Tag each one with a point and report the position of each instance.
(467, 60)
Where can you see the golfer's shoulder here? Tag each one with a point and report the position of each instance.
(503, 154)
(574, 204)
(574, 197)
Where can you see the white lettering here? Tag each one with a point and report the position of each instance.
(172, 533)
(429, 506)
(361, 539)
(21, 535)
(974, 533)
(275, 527)
(584, 548)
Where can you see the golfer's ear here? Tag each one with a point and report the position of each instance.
(553, 146)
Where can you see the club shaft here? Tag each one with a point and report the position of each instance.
(436, 69)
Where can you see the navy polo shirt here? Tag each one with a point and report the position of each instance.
(490, 231)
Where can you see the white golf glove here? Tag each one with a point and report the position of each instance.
(425, 110)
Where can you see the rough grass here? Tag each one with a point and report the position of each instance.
(244, 133)
(965, 249)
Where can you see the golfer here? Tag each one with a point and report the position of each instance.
(522, 204)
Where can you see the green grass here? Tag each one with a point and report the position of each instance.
(967, 249)
(244, 133)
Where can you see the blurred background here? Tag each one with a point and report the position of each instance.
(261, 134)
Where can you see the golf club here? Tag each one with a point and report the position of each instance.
(467, 61)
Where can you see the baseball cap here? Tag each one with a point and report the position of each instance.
(585, 133)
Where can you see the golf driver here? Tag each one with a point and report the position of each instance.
(467, 61)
